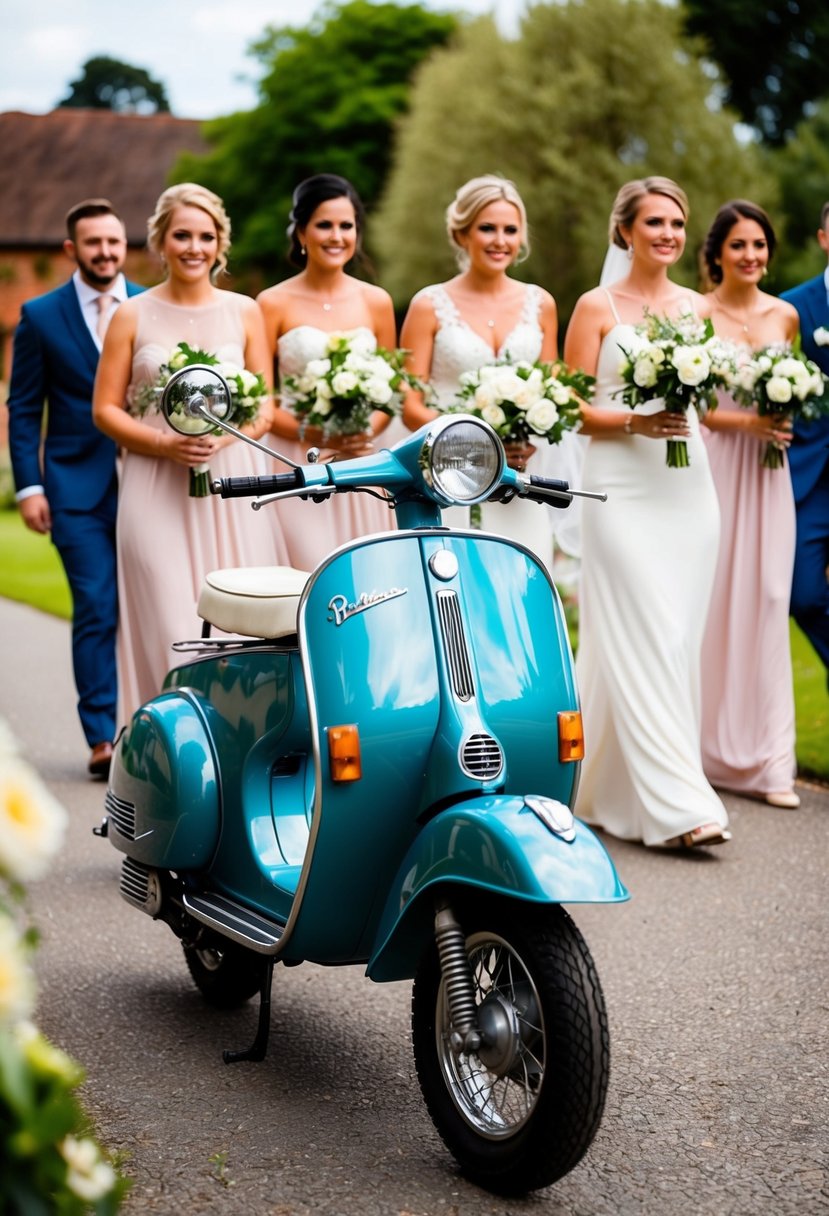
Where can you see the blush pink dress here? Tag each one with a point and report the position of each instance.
(168, 541)
(748, 725)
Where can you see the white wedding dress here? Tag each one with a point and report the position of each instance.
(312, 530)
(648, 560)
(458, 349)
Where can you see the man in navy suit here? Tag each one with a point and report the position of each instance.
(66, 483)
(809, 463)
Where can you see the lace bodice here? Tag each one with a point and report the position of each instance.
(217, 327)
(458, 348)
(296, 348)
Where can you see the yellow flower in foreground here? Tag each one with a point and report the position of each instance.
(46, 1061)
(90, 1177)
(32, 822)
(17, 986)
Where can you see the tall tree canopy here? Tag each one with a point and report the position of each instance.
(774, 56)
(109, 84)
(328, 100)
(570, 114)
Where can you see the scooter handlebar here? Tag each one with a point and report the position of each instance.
(254, 487)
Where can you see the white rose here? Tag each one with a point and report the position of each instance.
(315, 368)
(17, 986)
(692, 364)
(379, 391)
(487, 373)
(542, 416)
(793, 369)
(89, 1176)
(817, 384)
(494, 415)
(485, 395)
(764, 363)
(362, 341)
(507, 384)
(343, 382)
(322, 406)
(177, 359)
(644, 372)
(778, 390)
(527, 393)
(821, 336)
(32, 822)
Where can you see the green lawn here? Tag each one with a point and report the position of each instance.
(30, 571)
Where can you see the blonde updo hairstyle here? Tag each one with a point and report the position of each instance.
(630, 199)
(471, 199)
(189, 194)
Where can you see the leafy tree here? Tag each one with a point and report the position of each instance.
(802, 168)
(773, 54)
(331, 93)
(109, 84)
(569, 114)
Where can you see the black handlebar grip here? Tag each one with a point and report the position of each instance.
(549, 483)
(252, 487)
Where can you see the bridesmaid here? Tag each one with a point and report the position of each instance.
(748, 731)
(325, 231)
(480, 316)
(166, 540)
(648, 555)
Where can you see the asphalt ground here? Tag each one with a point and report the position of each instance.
(715, 976)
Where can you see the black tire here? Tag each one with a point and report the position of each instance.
(526, 1118)
(225, 974)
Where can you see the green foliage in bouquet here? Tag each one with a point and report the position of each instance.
(525, 401)
(780, 381)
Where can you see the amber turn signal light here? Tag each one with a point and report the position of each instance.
(344, 753)
(570, 736)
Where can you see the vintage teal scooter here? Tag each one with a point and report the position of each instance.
(377, 766)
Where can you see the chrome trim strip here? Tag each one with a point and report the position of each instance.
(240, 924)
(454, 641)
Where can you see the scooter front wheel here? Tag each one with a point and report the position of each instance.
(225, 974)
(520, 1111)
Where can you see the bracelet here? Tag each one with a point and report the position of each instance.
(629, 424)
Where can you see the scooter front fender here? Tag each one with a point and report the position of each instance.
(495, 844)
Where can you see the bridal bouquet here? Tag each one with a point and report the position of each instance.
(523, 401)
(680, 360)
(247, 393)
(340, 391)
(780, 380)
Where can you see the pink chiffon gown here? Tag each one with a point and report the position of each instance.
(167, 541)
(311, 530)
(748, 730)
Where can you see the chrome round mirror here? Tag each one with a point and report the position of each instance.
(193, 398)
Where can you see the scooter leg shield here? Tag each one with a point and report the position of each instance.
(163, 797)
(498, 845)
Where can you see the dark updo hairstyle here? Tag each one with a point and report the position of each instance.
(307, 197)
(725, 219)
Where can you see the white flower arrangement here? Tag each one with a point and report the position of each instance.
(341, 391)
(779, 380)
(821, 336)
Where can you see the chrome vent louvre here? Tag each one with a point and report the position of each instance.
(121, 814)
(135, 882)
(481, 757)
(454, 642)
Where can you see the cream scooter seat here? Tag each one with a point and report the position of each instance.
(254, 601)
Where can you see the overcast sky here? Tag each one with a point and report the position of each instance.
(198, 51)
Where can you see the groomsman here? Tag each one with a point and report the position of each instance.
(809, 463)
(66, 482)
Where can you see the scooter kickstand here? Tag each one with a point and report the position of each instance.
(258, 1048)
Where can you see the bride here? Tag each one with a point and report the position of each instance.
(326, 223)
(478, 317)
(648, 555)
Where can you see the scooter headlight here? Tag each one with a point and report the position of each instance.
(462, 460)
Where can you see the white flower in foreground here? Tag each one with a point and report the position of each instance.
(32, 822)
(17, 986)
(8, 743)
(177, 360)
(315, 368)
(379, 391)
(89, 1177)
(692, 364)
(821, 336)
(778, 390)
(343, 382)
(644, 372)
(542, 416)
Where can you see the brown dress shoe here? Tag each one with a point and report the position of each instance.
(100, 759)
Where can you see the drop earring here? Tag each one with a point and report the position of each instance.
(629, 252)
(302, 251)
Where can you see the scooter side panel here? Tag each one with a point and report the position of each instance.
(164, 777)
(493, 845)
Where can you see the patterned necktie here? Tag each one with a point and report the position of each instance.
(104, 303)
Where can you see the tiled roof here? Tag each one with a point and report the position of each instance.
(48, 162)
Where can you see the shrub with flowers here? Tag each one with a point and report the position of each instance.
(248, 391)
(779, 380)
(525, 401)
(48, 1161)
(680, 361)
(340, 391)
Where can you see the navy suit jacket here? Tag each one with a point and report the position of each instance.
(55, 360)
(809, 453)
